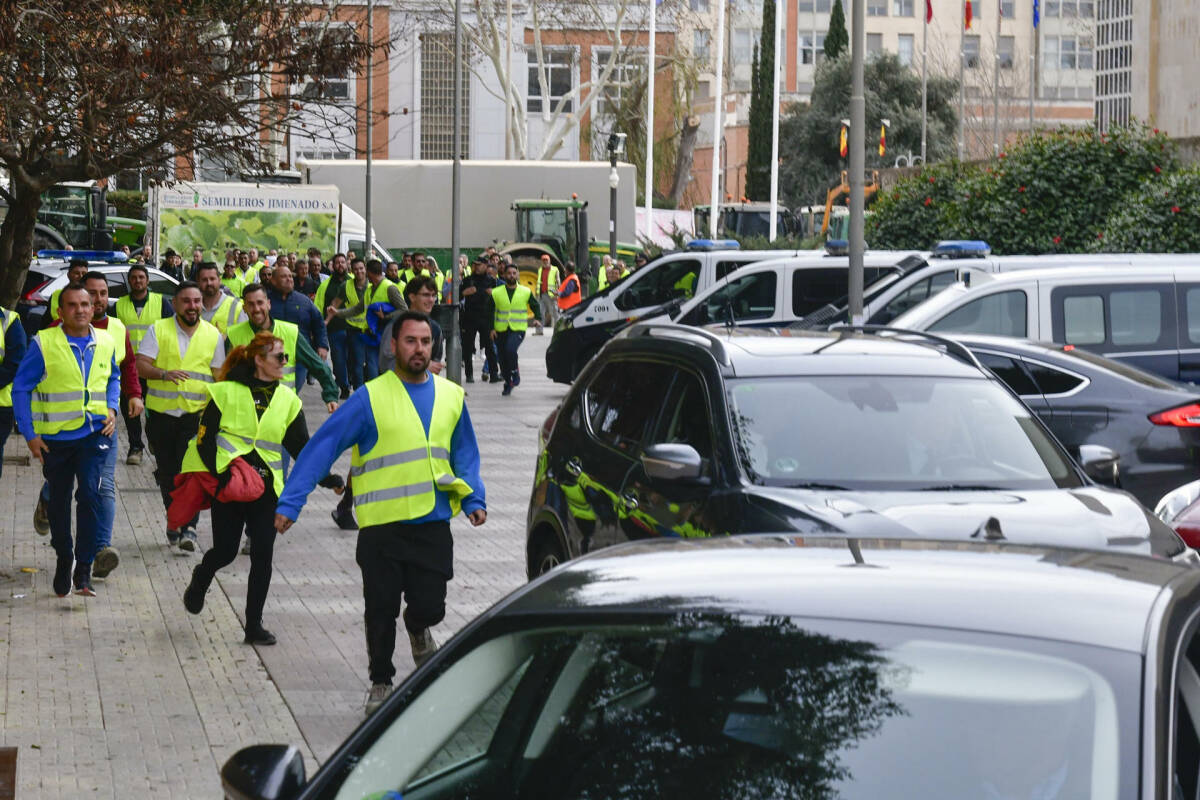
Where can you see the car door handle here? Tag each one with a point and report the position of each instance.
(630, 501)
(573, 468)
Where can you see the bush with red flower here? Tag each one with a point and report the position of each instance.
(1160, 217)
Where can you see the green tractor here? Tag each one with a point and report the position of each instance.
(77, 216)
(558, 228)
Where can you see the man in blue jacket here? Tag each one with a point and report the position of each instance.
(411, 476)
(12, 349)
(292, 306)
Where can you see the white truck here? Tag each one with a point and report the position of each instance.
(525, 207)
(286, 217)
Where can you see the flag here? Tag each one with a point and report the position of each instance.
(843, 145)
(1037, 13)
(968, 15)
(929, 11)
(882, 140)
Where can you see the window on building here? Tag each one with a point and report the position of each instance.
(1072, 9)
(905, 49)
(1008, 9)
(701, 46)
(1007, 51)
(819, 5)
(1068, 52)
(742, 50)
(812, 48)
(437, 99)
(558, 72)
(874, 42)
(971, 51)
(903, 8)
(876, 8)
(699, 5)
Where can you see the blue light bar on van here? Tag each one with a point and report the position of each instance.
(837, 247)
(962, 248)
(107, 256)
(713, 244)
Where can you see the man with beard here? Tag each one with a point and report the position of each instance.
(138, 311)
(476, 321)
(513, 304)
(338, 329)
(404, 505)
(220, 309)
(178, 357)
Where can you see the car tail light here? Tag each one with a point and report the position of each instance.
(1181, 417)
(548, 426)
(34, 296)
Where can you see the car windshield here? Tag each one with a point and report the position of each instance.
(736, 706)
(892, 433)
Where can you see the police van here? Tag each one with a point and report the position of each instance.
(670, 280)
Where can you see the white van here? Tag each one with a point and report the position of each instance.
(1147, 314)
(673, 278)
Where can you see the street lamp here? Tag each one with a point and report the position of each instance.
(616, 146)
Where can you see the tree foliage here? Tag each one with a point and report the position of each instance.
(1049, 193)
(762, 98)
(95, 87)
(837, 40)
(1159, 216)
(809, 133)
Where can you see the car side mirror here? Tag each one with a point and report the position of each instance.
(672, 462)
(1101, 464)
(264, 772)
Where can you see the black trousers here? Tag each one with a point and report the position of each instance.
(229, 520)
(412, 562)
(169, 436)
(472, 330)
(134, 424)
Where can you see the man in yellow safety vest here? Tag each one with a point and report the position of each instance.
(514, 304)
(138, 311)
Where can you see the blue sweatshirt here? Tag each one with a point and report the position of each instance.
(30, 373)
(353, 423)
(15, 343)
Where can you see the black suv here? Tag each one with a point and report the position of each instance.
(687, 432)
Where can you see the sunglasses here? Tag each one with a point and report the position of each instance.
(282, 358)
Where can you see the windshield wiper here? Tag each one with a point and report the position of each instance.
(963, 487)
(833, 487)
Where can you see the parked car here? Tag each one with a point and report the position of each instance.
(1084, 399)
(797, 667)
(47, 278)
(582, 331)
(681, 432)
(1147, 316)
(1179, 509)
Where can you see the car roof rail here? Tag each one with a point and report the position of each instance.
(680, 333)
(955, 349)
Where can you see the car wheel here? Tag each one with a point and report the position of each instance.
(547, 554)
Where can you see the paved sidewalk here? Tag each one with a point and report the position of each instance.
(127, 695)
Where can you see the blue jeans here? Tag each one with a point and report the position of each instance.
(77, 465)
(337, 352)
(6, 426)
(355, 356)
(507, 344)
(372, 363)
(108, 499)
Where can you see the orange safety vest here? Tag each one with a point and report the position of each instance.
(574, 298)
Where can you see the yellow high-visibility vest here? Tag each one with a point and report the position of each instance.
(511, 313)
(243, 333)
(359, 320)
(7, 320)
(62, 400)
(397, 478)
(242, 430)
(225, 315)
(189, 396)
(138, 323)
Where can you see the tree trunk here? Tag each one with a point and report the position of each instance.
(683, 160)
(16, 241)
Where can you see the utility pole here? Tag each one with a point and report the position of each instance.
(858, 144)
(453, 342)
(508, 89)
(996, 84)
(370, 246)
(718, 123)
(780, 9)
(962, 83)
(651, 64)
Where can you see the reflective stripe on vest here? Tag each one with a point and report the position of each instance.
(242, 430)
(243, 333)
(7, 320)
(359, 320)
(61, 401)
(190, 395)
(511, 313)
(137, 323)
(225, 315)
(396, 480)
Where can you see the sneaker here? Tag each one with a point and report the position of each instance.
(187, 540)
(375, 697)
(134, 458)
(423, 646)
(470, 379)
(83, 580)
(259, 635)
(62, 576)
(344, 520)
(106, 561)
(193, 595)
(41, 520)
(516, 379)
(173, 537)
(495, 379)
(507, 390)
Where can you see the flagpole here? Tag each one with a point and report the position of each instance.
(718, 123)
(650, 126)
(780, 10)
(996, 84)
(1033, 64)
(925, 84)
(962, 82)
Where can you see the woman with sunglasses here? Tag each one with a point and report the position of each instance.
(251, 415)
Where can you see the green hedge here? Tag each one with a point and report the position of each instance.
(1160, 216)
